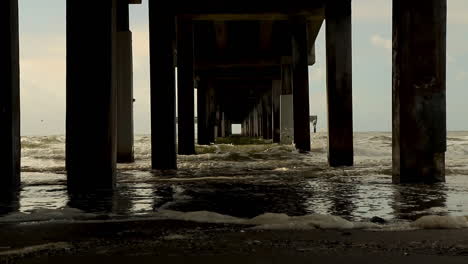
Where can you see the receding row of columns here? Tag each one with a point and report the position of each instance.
(98, 55)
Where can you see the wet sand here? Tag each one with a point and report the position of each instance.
(164, 241)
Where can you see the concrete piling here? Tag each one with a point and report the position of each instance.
(163, 107)
(339, 83)
(125, 153)
(91, 95)
(10, 142)
(276, 116)
(286, 106)
(202, 113)
(300, 89)
(419, 85)
(185, 84)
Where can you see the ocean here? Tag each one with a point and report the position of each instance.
(244, 182)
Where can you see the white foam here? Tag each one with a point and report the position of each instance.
(440, 222)
(267, 221)
(36, 248)
(41, 215)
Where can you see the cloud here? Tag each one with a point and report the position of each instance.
(451, 59)
(372, 10)
(380, 42)
(456, 12)
(462, 76)
(316, 74)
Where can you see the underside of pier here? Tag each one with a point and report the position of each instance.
(249, 64)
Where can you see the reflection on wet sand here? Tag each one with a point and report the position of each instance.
(413, 201)
(9, 203)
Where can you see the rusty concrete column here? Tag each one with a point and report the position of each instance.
(10, 143)
(286, 106)
(218, 123)
(339, 83)
(258, 120)
(267, 115)
(419, 85)
(202, 113)
(185, 87)
(276, 116)
(163, 95)
(91, 95)
(300, 84)
(125, 153)
(211, 110)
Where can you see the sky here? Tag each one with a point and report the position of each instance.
(42, 52)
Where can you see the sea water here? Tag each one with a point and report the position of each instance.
(246, 182)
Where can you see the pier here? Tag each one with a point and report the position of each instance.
(249, 64)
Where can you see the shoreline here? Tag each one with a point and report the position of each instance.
(157, 239)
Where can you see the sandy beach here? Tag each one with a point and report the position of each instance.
(189, 242)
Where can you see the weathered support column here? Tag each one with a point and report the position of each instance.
(339, 83)
(419, 85)
(218, 130)
(286, 106)
(267, 115)
(228, 128)
(223, 125)
(202, 113)
(251, 124)
(300, 84)
(276, 96)
(125, 152)
(163, 106)
(91, 95)
(258, 121)
(211, 112)
(186, 86)
(10, 143)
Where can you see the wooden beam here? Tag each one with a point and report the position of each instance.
(221, 36)
(265, 36)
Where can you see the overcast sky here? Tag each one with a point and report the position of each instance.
(42, 34)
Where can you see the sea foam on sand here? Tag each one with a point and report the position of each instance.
(267, 221)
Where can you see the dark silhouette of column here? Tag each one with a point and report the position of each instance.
(419, 85)
(286, 106)
(91, 95)
(10, 143)
(125, 152)
(202, 113)
(211, 110)
(185, 85)
(339, 83)
(163, 106)
(276, 95)
(300, 84)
